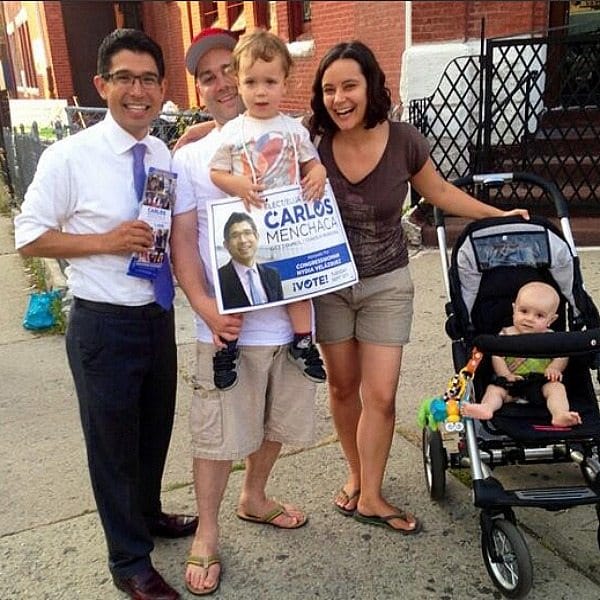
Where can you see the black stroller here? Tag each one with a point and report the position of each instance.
(490, 261)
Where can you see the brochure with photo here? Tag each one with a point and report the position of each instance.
(155, 209)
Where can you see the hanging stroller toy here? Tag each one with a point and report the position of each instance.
(446, 408)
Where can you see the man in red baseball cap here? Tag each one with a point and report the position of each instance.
(224, 425)
(217, 90)
(206, 40)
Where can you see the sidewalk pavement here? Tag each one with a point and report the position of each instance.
(51, 543)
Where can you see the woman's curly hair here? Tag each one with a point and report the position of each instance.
(379, 99)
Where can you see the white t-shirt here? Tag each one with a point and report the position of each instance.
(267, 326)
(84, 185)
(274, 146)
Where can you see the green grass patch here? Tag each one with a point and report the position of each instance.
(60, 319)
(36, 272)
(47, 133)
(44, 133)
(463, 475)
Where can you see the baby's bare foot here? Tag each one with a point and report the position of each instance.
(566, 419)
(476, 411)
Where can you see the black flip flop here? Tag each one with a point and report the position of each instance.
(347, 512)
(385, 522)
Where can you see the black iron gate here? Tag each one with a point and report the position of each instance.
(526, 104)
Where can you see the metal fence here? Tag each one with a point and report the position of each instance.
(24, 146)
(523, 105)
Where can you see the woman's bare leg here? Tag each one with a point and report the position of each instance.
(343, 369)
(380, 370)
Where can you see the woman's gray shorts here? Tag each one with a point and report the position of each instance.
(376, 310)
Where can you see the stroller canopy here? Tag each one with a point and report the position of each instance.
(494, 257)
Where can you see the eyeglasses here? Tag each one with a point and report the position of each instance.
(243, 234)
(148, 81)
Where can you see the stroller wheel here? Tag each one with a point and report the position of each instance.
(434, 462)
(507, 559)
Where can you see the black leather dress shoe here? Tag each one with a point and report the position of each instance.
(174, 526)
(147, 585)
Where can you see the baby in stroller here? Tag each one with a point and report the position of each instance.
(494, 261)
(535, 379)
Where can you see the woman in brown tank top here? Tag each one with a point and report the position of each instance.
(370, 161)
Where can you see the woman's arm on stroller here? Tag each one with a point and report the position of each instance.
(441, 193)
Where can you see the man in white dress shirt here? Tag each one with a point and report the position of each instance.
(82, 205)
(273, 402)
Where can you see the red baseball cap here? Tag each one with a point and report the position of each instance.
(206, 40)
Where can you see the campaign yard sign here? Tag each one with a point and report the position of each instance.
(304, 242)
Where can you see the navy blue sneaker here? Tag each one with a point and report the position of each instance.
(305, 355)
(224, 367)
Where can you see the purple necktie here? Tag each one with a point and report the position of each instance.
(163, 282)
(254, 292)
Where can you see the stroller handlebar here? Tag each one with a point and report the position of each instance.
(496, 180)
(560, 343)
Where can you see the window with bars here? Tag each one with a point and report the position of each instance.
(234, 10)
(234, 17)
(299, 14)
(262, 14)
(24, 56)
(209, 13)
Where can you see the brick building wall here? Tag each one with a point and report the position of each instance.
(382, 28)
(171, 24)
(448, 20)
(35, 33)
(334, 22)
(381, 25)
(56, 81)
(58, 58)
(21, 17)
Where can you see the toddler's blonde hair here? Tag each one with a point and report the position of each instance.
(260, 45)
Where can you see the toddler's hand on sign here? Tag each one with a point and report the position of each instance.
(313, 183)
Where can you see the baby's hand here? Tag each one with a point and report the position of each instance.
(513, 377)
(313, 183)
(553, 374)
(248, 191)
(253, 199)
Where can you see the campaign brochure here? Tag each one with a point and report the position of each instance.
(155, 209)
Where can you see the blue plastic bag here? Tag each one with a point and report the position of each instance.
(38, 314)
